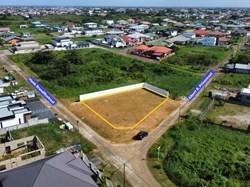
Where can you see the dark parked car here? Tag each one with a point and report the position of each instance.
(141, 135)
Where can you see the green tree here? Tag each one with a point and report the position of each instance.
(65, 67)
(41, 57)
(74, 57)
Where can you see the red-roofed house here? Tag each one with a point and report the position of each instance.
(160, 49)
(141, 48)
(159, 52)
(200, 32)
(129, 41)
(217, 33)
(4, 29)
(155, 52)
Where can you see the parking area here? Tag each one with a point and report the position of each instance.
(39, 109)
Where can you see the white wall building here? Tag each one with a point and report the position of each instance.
(107, 22)
(90, 25)
(189, 35)
(13, 115)
(92, 31)
(61, 42)
(245, 95)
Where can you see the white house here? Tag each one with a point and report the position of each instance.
(30, 46)
(242, 68)
(13, 112)
(107, 22)
(23, 26)
(114, 41)
(245, 95)
(61, 42)
(92, 31)
(90, 25)
(189, 35)
(170, 33)
(207, 41)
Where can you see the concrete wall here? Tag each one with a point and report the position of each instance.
(110, 91)
(22, 158)
(19, 119)
(123, 89)
(31, 122)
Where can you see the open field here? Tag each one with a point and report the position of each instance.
(124, 110)
(198, 58)
(232, 80)
(228, 114)
(102, 70)
(201, 154)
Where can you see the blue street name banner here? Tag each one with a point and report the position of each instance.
(42, 91)
(202, 82)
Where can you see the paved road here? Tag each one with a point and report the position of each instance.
(131, 156)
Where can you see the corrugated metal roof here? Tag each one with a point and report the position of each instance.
(5, 112)
(242, 66)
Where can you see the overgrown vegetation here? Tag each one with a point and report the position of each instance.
(70, 73)
(241, 58)
(54, 138)
(201, 154)
(232, 80)
(198, 58)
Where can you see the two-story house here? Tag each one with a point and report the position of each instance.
(61, 42)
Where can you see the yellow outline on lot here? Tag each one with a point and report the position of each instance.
(126, 128)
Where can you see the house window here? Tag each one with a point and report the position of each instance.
(248, 97)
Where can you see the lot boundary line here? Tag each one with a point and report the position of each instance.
(122, 127)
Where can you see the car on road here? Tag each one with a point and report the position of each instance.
(141, 135)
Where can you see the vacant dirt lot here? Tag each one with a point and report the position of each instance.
(124, 109)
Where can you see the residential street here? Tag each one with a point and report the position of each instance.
(131, 157)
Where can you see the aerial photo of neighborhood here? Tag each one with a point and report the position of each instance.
(132, 93)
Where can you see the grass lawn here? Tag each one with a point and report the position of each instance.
(195, 154)
(43, 38)
(54, 138)
(198, 58)
(103, 70)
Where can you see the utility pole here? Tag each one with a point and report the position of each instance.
(158, 152)
(124, 176)
(77, 123)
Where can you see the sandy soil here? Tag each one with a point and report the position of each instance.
(124, 109)
(237, 121)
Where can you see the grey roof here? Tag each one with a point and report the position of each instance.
(21, 110)
(242, 66)
(63, 170)
(11, 37)
(230, 66)
(39, 109)
(5, 113)
(179, 38)
(58, 39)
(6, 98)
